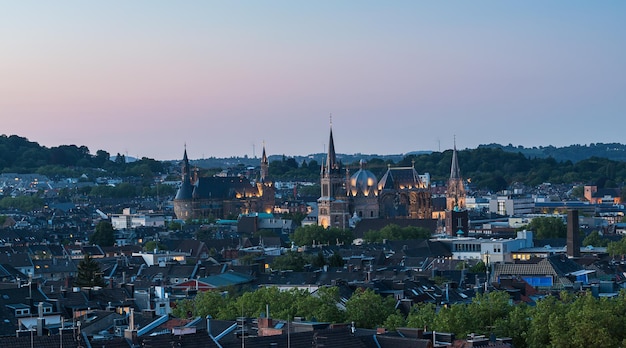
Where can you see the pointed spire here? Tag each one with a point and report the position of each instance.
(455, 172)
(264, 165)
(264, 156)
(331, 158)
(186, 172)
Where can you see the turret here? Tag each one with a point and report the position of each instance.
(264, 166)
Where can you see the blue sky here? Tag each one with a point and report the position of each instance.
(146, 77)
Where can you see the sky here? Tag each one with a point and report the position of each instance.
(146, 78)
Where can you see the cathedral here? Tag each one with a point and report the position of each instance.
(401, 193)
(221, 197)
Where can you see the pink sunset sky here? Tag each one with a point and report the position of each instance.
(144, 78)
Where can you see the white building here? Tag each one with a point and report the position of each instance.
(130, 219)
(489, 250)
(511, 205)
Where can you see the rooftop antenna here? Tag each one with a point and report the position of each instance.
(253, 151)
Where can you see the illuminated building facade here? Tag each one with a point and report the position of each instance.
(401, 193)
(223, 196)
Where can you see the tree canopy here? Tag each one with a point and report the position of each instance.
(89, 273)
(104, 234)
(547, 227)
(314, 234)
(395, 232)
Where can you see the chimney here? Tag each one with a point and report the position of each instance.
(573, 235)
(208, 325)
(130, 333)
(41, 322)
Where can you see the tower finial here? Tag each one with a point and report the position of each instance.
(331, 119)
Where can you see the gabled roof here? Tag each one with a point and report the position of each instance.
(191, 246)
(401, 177)
(16, 260)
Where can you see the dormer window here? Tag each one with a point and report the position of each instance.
(20, 309)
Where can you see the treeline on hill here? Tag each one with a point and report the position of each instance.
(574, 153)
(485, 167)
(19, 155)
(565, 320)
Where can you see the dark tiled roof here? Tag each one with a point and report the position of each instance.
(222, 187)
(14, 296)
(195, 340)
(53, 341)
(16, 260)
(327, 338)
(387, 341)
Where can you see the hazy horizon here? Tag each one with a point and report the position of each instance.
(144, 78)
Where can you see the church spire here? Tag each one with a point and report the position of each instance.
(331, 156)
(186, 172)
(456, 191)
(455, 172)
(264, 165)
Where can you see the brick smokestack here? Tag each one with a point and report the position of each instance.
(573, 235)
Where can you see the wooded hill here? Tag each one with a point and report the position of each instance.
(488, 167)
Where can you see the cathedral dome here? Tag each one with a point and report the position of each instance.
(363, 182)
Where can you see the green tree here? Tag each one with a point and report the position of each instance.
(594, 239)
(89, 273)
(104, 234)
(151, 245)
(174, 226)
(335, 260)
(319, 260)
(578, 192)
(290, 261)
(368, 309)
(547, 227)
(422, 315)
(395, 232)
(324, 306)
(22, 203)
(394, 321)
(617, 248)
(515, 325)
(308, 235)
(479, 267)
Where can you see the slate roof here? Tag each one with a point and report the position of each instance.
(388, 341)
(14, 296)
(340, 337)
(396, 177)
(54, 266)
(16, 260)
(194, 340)
(216, 187)
(53, 341)
(193, 247)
